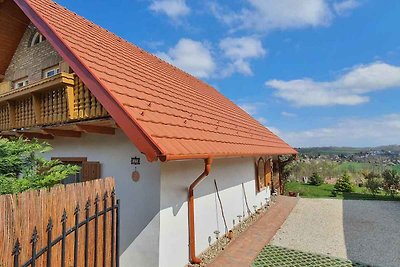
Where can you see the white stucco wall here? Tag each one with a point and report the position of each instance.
(140, 201)
(154, 225)
(176, 178)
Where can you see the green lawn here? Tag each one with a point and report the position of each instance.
(396, 168)
(325, 191)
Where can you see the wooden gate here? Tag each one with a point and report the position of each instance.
(72, 225)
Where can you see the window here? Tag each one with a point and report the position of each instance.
(264, 174)
(268, 173)
(20, 83)
(37, 38)
(260, 177)
(90, 170)
(50, 72)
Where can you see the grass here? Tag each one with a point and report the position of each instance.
(396, 167)
(325, 191)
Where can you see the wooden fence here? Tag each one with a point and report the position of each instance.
(72, 225)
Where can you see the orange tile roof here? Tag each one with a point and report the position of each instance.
(166, 112)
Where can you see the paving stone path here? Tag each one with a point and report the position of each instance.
(273, 256)
(245, 248)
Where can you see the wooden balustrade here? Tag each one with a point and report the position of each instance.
(85, 104)
(56, 100)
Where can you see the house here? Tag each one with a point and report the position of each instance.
(116, 110)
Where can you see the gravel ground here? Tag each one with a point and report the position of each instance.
(359, 230)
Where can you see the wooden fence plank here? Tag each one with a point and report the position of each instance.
(21, 213)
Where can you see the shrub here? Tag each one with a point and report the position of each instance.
(343, 184)
(391, 181)
(316, 179)
(22, 167)
(374, 182)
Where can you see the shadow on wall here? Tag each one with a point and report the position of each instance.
(372, 232)
(177, 177)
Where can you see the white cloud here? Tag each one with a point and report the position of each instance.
(191, 56)
(250, 108)
(288, 114)
(344, 7)
(274, 130)
(262, 120)
(267, 15)
(383, 130)
(239, 51)
(244, 47)
(283, 14)
(349, 89)
(172, 8)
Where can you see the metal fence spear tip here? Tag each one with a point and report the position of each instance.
(77, 209)
(49, 225)
(96, 200)
(17, 248)
(64, 216)
(35, 235)
(87, 205)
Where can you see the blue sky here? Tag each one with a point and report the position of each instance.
(316, 72)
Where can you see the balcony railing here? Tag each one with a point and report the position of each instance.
(59, 99)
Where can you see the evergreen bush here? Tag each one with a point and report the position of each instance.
(23, 167)
(343, 184)
(316, 179)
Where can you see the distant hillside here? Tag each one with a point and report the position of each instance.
(345, 150)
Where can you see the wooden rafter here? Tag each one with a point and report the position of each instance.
(8, 134)
(62, 133)
(31, 135)
(88, 128)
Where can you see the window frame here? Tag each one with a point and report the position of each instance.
(55, 69)
(37, 39)
(265, 178)
(24, 81)
(268, 176)
(260, 166)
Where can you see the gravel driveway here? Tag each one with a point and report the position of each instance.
(359, 230)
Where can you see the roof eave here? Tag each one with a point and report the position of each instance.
(170, 157)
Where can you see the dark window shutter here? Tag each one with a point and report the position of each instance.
(90, 171)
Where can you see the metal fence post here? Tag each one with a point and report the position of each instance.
(117, 233)
(76, 241)
(113, 227)
(49, 234)
(34, 239)
(105, 229)
(87, 208)
(64, 236)
(96, 227)
(15, 253)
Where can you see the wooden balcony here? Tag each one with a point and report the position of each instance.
(57, 100)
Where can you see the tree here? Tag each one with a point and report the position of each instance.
(22, 166)
(374, 182)
(316, 179)
(343, 184)
(391, 181)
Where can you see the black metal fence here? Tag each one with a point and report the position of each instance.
(100, 211)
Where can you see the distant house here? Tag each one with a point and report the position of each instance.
(116, 110)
